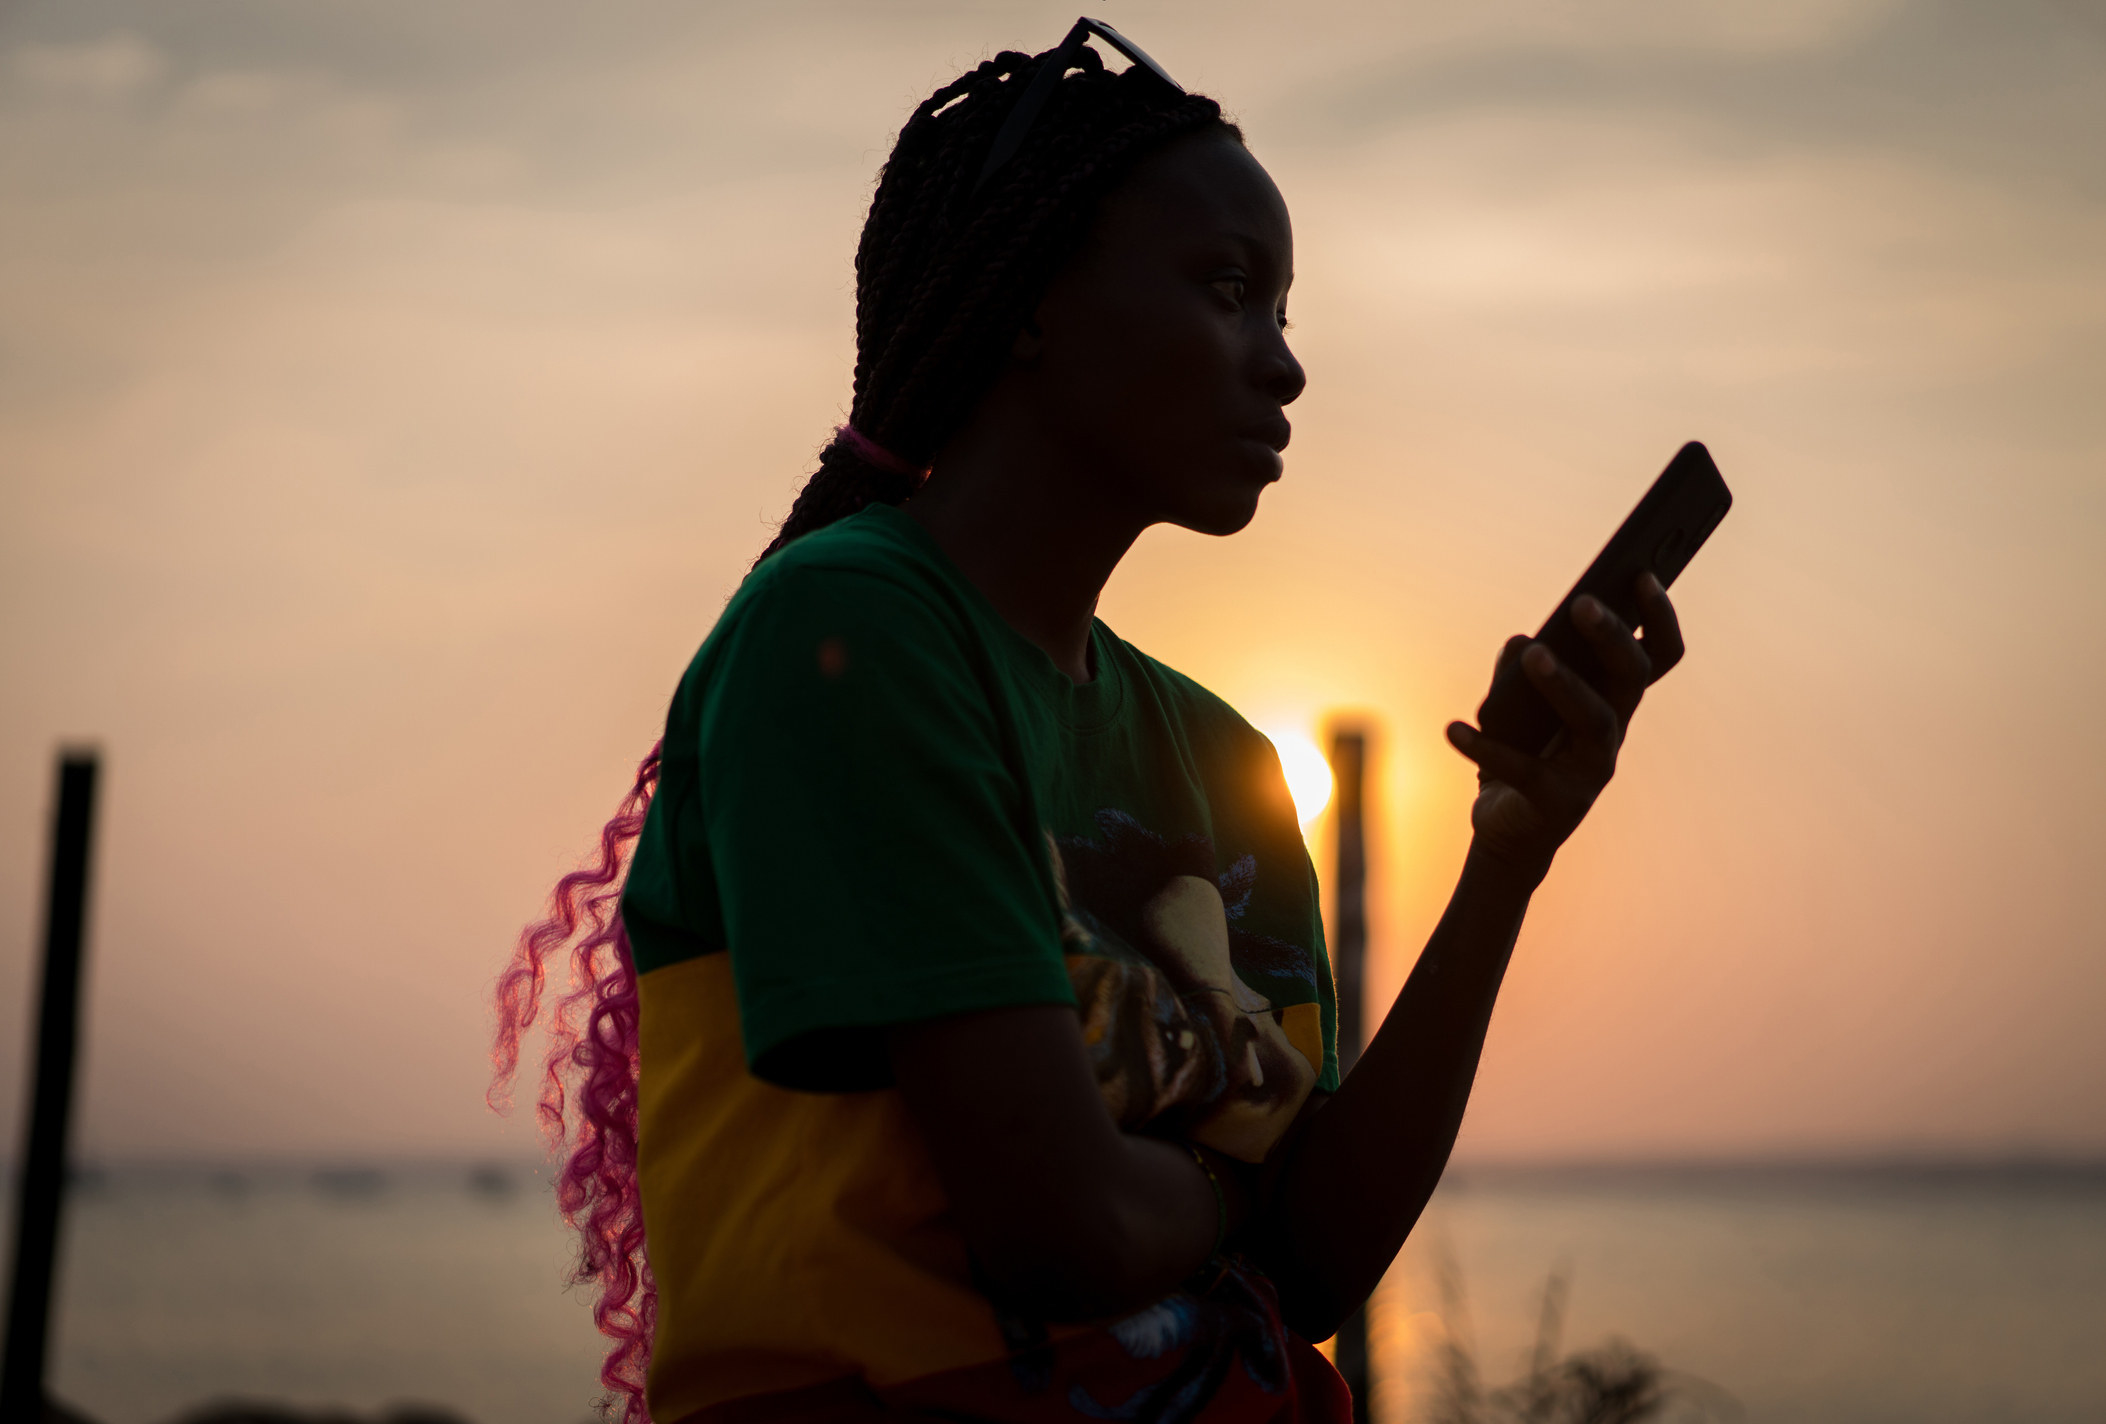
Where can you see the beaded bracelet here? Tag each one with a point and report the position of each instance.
(1220, 1198)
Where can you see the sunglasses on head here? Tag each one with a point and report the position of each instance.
(1014, 129)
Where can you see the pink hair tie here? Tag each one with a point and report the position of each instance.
(870, 452)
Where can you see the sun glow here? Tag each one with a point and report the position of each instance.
(1308, 774)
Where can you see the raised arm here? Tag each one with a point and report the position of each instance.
(1069, 1218)
(1346, 1188)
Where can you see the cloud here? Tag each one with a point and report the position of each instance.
(94, 71)
(390, 394)
(2007, 92)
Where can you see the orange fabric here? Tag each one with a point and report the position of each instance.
(795, 1237)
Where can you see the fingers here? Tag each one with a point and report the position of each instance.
(1663, 631)
(1496, 761)
(1626, 668)
(1594, 724)
(1515, 647)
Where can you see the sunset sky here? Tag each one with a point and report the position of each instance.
(391, 393)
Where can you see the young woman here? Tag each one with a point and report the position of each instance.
(963, 1046)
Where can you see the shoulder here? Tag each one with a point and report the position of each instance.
(1237, 763)
(867, 574)
(859, 606)
(879, 552)
(1203, 713)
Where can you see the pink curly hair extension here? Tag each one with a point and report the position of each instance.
(596, 1189)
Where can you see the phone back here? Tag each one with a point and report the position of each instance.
(1661, 535)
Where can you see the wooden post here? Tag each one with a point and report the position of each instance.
(43, 1164)
(1349, 968)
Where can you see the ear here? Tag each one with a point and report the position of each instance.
(1029, 344)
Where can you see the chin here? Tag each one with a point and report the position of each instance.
(1218, 495)
(1223, 517)
(1227, 503)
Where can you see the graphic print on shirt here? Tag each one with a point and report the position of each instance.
(1183, 1041)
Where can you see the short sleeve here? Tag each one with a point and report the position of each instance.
(875, 849)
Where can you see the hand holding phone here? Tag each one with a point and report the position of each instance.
(1659, 537)
(1554, 720)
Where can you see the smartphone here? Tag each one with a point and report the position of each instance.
(1662, 534)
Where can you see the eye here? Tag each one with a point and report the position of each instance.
(1281, 317)
(1231, 286)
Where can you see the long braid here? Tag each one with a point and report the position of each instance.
(948, 270)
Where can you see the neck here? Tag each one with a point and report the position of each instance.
(1031, 532)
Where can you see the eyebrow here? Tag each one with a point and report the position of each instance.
(1252, 244)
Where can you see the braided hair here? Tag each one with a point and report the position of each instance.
(950, 267)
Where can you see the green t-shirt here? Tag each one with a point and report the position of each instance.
(888, 806)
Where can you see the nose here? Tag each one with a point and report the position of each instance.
(1280, 376)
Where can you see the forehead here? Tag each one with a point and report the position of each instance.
(1199, 187)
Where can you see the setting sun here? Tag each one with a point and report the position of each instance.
(1308, 774)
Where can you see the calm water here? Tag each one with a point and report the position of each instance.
(1838, 1297)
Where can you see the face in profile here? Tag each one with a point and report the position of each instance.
(1159, 356)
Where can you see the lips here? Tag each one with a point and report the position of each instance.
(1274, 432)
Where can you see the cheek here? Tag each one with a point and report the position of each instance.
(1156, 371)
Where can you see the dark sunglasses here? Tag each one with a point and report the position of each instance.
(1025, 114)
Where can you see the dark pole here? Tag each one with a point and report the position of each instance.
(51, 1096)
(1349, 963)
